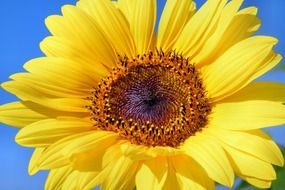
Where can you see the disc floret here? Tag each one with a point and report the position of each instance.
(155, 99)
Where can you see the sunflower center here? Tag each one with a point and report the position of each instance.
(156, 99)
(147, 93)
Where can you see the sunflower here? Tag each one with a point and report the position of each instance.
(115, 104)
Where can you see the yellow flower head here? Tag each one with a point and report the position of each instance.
(116, 104)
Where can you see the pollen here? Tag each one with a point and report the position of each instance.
(155, 99)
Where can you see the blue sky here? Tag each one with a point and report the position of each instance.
(22, 28)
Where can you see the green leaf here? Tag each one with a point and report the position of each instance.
(279, 67)
(279, 183)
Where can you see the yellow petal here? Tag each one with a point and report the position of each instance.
(49, 87)
(141, 152)
(142, 17)
(90, 152)
(226, 18)
(89, 180)
(145, 179)
(69, 148)
(171, 181)
(211, 157)
(199, 28)
(33, 165)
(112, 23)
(260, 145)
(60, 71)
(232, 27)
(274, 147)
(88, 161)
(241, 64)
(28, 93)
(83, 180)
(152, 174)
(85, 32)
(111, 153)
(264, 184)
(190, 174)
(48, 131)
(17, 114)
(59, 47)
(57, 177)
(248, 10)
(58, 26)
(96, 158)
(53, 157)
(270, 91)
(248, 165)
(173, 19)
(243, 25)
(93, 140)
(121, 175)
(127, 8)
(247, 115)
(71, 181)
